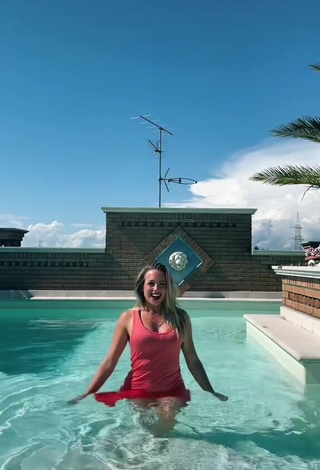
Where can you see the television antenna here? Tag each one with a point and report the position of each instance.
(157, 147)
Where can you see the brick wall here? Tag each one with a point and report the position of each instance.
(302, 294)
(226, 237)
(132, 235)
(24, 268)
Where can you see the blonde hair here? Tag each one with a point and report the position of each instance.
(170, 311)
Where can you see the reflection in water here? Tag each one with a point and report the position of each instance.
(32, 346)
(301, 437)
(305, 443)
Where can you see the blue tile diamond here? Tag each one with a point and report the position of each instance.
(180, 272)
(183, 256)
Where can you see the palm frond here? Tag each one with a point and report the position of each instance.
(315, 66)
(303, 128)
(290, 174)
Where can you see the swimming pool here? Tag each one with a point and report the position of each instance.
(49, 352)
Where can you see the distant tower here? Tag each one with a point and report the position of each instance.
(297, 234)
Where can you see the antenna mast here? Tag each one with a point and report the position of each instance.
(157, 147)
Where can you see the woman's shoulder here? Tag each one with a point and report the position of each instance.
(127, 316)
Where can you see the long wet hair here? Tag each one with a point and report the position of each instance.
(170, 311)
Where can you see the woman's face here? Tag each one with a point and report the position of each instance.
(154, 289)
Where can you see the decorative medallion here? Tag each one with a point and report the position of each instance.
(178, 260)
(184, 258)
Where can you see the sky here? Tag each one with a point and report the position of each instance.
(218, 75)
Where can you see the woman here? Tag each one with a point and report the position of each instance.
(157, 331)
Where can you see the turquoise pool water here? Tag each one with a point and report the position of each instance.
(50, 351)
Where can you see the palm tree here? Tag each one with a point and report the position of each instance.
(303, 128)
(290, 174)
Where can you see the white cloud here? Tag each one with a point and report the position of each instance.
(81, 225)
(84, 238)
(12, 220)
(277, 207)
(55, 234)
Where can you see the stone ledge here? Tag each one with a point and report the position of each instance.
(254, 296)
(177, 210)
(299, 343)
(297, 271)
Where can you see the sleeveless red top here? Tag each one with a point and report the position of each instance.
(155, 366)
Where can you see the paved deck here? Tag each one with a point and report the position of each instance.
(301, 344)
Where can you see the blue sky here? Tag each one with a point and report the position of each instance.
(219, 75)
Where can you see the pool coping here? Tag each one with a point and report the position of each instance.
(252, 296)
(300, 343)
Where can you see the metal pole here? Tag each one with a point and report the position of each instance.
(160, 169)
(158, 149)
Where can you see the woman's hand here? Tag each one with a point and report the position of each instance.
(76, 400)
(220, 396)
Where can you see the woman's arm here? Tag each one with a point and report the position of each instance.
(194, 364)
(118, 344)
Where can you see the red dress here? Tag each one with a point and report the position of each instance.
(155, 366)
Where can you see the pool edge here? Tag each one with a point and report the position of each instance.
(129, 295)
